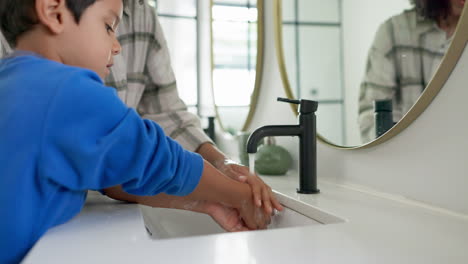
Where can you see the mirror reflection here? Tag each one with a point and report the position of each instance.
(353, 55)
(235, 40)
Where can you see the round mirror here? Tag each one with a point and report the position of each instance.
(237, 52)
(367, 62)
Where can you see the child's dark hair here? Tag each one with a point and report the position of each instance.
(434, 10)
(18, 16)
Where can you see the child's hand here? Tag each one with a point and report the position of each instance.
(253, 217)
(246, 216)
(226, 217)
(262, 193)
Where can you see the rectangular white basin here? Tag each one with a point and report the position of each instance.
(164, 223)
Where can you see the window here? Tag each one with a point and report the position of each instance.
(186, 24)
(179, 20)
(234, 57)
(310, 33)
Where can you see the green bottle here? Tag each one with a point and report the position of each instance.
(272, 159)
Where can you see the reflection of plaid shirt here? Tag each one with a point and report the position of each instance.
(405, 54)
(143, 76)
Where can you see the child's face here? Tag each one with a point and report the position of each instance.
(92, 43)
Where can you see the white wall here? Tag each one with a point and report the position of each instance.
(426, 162)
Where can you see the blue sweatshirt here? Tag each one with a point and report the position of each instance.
(62, 132)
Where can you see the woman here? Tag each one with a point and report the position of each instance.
(406, 52)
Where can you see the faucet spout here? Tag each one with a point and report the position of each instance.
(270, 131)
(306, 131)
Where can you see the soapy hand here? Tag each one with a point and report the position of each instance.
(226, 217)
(253, 217)
(262, 193)
(234, 220)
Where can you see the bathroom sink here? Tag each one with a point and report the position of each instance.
(164, 223)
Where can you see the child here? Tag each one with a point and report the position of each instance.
(62, 132)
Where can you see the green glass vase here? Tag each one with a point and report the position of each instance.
(272, 159)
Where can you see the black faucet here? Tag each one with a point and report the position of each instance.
(306, 131)
(210, 130)
(383, 116)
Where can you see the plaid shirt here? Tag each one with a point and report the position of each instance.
(406, 52)
(143, 76)
(4, 47)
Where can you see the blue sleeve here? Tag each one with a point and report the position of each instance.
(91, 140)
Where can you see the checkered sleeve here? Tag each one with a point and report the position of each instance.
(379, 82)
(4, 47)
(161, 102)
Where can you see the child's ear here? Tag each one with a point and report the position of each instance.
(51, 13)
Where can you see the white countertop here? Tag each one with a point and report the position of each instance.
(378, 230)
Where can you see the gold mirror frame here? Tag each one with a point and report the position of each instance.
(258, 66)
(444, 70)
